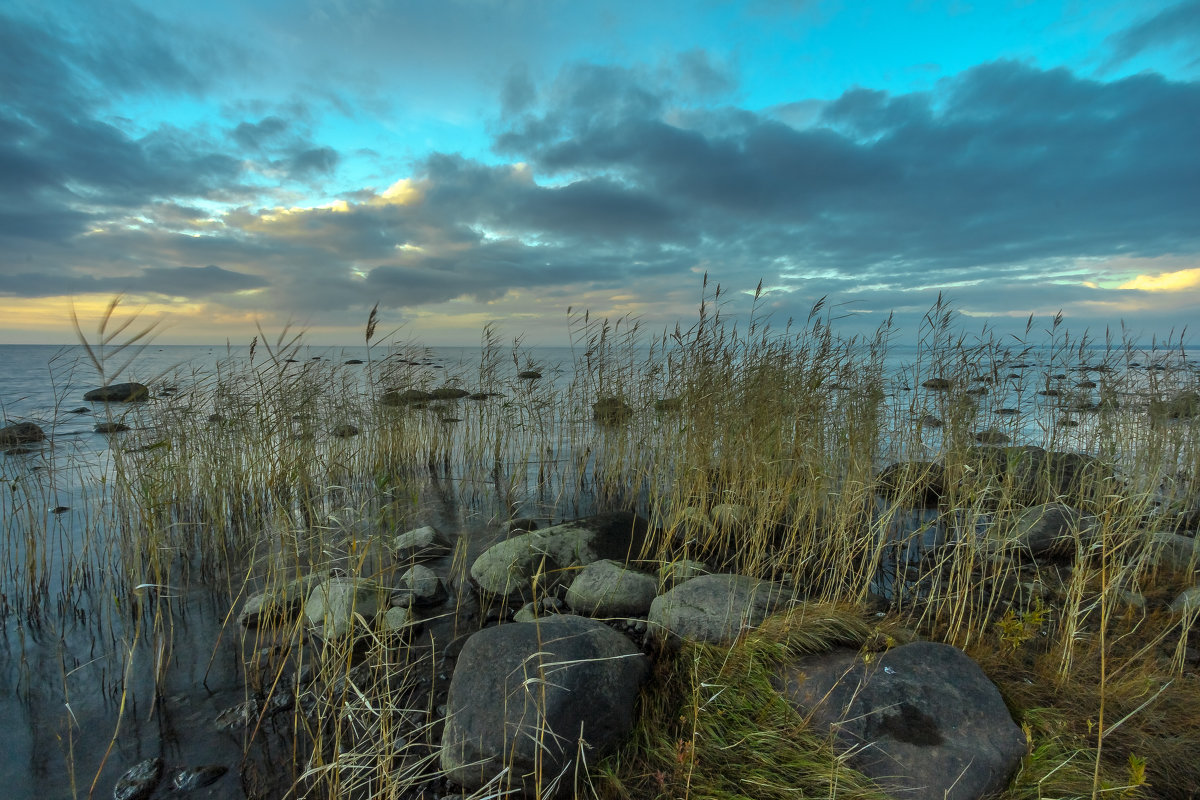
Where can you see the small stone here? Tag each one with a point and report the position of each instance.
(111, 427)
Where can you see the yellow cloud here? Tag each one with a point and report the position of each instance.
(403, 192)
(1165, 281)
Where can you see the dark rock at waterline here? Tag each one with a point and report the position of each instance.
(611, 410)
(449, 393)
(992, 436)
(530, 698)
(922, 720)
(80, 410)
(198, 777)
(1049, 530)
(920, 483)
(139, 781)
(407, 397)
(20, 433)
(354, 361)
(939, 384)
(529, 375)
(1182, 406)
(344, 431)
(1032, 475)
(111, 427)
(119, 393)
(60, 510)
(19, 450)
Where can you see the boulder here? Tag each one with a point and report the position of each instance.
(937, 384)
(1032, 475)
(407, 397)
(119, 393)
(20, 433)
(674, 573)
(1184, 405)
(530, 702)
(1047, 530)
(1174, 552)
(611, 410)
(344, 431)
(421, 543)
(193, 778)
(711, 608)
(507, 568)
(1187, 602)
(449, 393)
(920, 483)
(529, 375)
(922, 720)
(423, 585)
(280, 604)
(730, 516)
(110, 427)
(606, 588)
(139, 781)
(334, 604)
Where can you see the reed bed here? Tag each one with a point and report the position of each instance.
(786, 452)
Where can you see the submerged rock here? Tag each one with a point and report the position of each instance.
(198, 777)
(119, 393)
(111, 427)
(611, 410)
(20, 433)
(421, 543)
(532, 699)
(139, 781)
(920, 483)
(922, 720)
(408, 397)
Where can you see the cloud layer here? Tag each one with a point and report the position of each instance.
(1013, 187)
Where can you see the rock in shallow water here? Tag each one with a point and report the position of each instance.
(198, 777)
(139, 781)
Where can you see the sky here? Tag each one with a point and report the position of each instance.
(239, 165)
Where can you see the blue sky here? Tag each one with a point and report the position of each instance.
(233, 164)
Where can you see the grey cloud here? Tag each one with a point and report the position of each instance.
(195, 281)
(1178, 24)
(313, 161)
(254, 135)
(1004, 163)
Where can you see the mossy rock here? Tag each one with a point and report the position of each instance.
(448, 393)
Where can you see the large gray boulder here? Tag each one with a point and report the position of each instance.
(1174, 552)
(712, 608)
(20, 433)
(922, 720)
(606, 588)
(119, 393)
(334, 605)
(508, 568)
(279, 604)
(1048, 530)
(529, 702)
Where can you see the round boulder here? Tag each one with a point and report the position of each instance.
(921, 720)
(607, 589)
(530, 701)
(711, 608)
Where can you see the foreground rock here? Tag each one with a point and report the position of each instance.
(421, 543)
(531, 698)
(508, 568)
(607, 589)
(1048, 530)
(20, 433)
(711, 608)
(922, 720)
(333, 605)
(119, 393)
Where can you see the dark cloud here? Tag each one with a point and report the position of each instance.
(311, 162)
(255, 135)
(1176, 25)
(169, 281)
